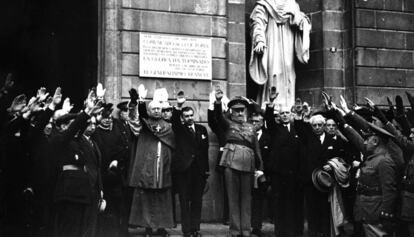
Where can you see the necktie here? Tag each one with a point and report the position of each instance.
(286, 127)
(191, 130)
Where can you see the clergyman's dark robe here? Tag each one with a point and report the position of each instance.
(150, 176)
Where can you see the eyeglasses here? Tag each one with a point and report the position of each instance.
(166, 110)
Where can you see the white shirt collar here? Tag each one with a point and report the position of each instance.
(322, 137)
(259, 134)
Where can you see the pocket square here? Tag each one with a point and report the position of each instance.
(330, 147)
(203, 137)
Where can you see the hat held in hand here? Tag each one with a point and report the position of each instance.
(322, 180)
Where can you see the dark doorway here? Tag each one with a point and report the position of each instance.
(50, 43)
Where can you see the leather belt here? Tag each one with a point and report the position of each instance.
(242, 143)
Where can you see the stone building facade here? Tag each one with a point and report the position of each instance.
(358, 48)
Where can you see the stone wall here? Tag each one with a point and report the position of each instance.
(330, 65)
(358, 48)
(384, 49)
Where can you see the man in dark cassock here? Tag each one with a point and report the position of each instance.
(150, 173)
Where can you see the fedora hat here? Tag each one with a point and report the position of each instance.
(322, 180)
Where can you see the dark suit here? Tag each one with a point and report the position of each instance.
(282, 166)
(77, 190)
(190, 166)
(259, 193)
(42, 175)
(115, 144)
(315, 155)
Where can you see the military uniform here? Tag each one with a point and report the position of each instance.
(377, 186)
(79, 181)
(239, 158)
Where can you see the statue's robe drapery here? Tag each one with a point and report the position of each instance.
(284, 29)
(150, 175)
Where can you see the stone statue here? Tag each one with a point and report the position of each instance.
(279, 31)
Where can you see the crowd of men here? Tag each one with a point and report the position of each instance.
(347, 172)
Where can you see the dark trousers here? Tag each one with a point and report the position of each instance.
(190, 187)
(113, 222)
(70, 219)
(318, 212)
(288, 205)
(258, 197)
(239, 189)
(220, 171)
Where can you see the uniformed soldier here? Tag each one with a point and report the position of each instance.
(240, 154)
(79, 184)
(377, 183)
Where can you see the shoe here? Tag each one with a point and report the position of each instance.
(257, 233)
(163, 232)
(148, 232)
(196, 234)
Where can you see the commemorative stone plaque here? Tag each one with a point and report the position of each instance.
(174, 56)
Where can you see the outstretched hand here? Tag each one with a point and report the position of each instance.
(133, 95)
(400, 106)
(100, 91)
(91, 106)
(41, 94)
(298, 106)
(370, 103)
(67, 106)
(57, 97)
(180, 98)
(142, 92)
(343, 104)
(219, 94)
(273, 94)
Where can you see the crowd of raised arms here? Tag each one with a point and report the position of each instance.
(345, 171)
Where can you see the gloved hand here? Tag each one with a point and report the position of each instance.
(133, 94)
(400, 106)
